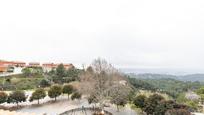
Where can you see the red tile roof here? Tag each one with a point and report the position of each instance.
(49, 65)
(52, 65)
(34, 63)
(11, 62)
(3, 68)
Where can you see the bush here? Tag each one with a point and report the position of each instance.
(3, 97)
(44, 83)
(27, 72)
(151, 103)
(76, 95)
(139, 101)
(177, 112)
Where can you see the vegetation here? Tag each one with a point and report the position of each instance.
(185, 78)
(44, 83)
(92, 99)
(3, 97)
(33, 77)
(139, 101)
(16, 97)
(100, 81)
(151, 103)
(177, 112)
(32, 71)
(27, 72)
(20, 82)
(142, 84)
(200, 92)
(72, 74)
(38, 94)
(119, 95)
(55, 91)
(76, 95)
(157, 105)
(68, 89)
(170, 86)
(61, 75)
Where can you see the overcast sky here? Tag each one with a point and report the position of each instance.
(127, 33)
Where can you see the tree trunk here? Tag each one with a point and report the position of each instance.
(38, 102)
(117, 108)
(17, 104)
(68, 96)
(55, 98)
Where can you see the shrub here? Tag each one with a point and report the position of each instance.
(44, 83)
(76, 95)
(139, 101)
(177, 112)
(3, 97)
(151, 103)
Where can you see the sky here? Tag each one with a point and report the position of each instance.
(156, 34)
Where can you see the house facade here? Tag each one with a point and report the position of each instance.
(47, 67)
(12, 67)
(9, 66)
(3, 69)
(34, 64)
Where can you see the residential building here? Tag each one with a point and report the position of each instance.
(3, 69)
(13, 63)
(50, 66)
(14, 67)
(34, 64)
(68, 66)
(19, 64)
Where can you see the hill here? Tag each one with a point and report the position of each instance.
(190, 77)
(169, 86)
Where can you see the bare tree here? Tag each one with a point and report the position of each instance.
(99, 80)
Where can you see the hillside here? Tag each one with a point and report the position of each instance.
(190, 77)
(167, 85)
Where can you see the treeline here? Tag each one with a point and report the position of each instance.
(189, 77)
(169, 86)
(141, 84)
(40, 93)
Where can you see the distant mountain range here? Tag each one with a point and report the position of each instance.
(190, 77)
